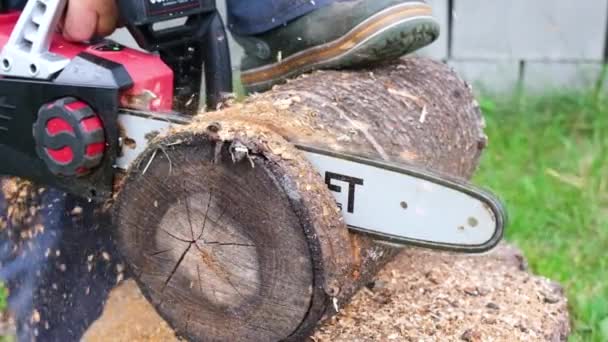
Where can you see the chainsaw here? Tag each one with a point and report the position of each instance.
(68, 111)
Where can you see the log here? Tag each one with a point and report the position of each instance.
(232, 235)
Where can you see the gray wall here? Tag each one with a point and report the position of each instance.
(499, 45)
(542, 45)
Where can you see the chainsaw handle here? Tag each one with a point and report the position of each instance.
(216, 56)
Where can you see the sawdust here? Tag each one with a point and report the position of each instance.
(421, 296)
(19, 195)
(129, 317)
(430, 296)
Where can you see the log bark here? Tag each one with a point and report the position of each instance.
(232, 235)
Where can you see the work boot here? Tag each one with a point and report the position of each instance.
(346, 33)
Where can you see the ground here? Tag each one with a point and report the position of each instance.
(421, 296)
(547, 160)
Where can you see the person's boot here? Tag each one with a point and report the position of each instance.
(346, 33)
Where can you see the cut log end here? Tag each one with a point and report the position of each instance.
(220, 239)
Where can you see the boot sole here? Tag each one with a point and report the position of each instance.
(387, 35)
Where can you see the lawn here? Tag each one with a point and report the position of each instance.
(548, 160)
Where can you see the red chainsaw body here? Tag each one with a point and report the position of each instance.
(152, 88)
(62, 129)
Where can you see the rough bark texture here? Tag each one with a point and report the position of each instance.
(277, 253)
(420, 296)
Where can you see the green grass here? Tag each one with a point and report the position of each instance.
(548, 160)
(3, 296)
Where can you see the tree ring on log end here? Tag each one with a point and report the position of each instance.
(214, 244)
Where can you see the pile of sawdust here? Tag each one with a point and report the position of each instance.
(129, 317)
(421, 296)
(430, 296)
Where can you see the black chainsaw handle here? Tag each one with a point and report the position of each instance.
(200, 40)
(216, 56)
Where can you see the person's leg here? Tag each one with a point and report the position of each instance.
(13, 4)
(332, 34)
(246, 17)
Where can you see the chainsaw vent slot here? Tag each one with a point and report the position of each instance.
(37, 18)
(30, 36)
(38, 12)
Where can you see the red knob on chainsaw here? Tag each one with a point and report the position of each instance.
(69, 137)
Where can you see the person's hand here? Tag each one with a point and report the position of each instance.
(88, 18)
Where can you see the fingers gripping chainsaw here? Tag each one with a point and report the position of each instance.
(67, 110)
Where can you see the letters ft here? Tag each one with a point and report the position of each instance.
(352, 183)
